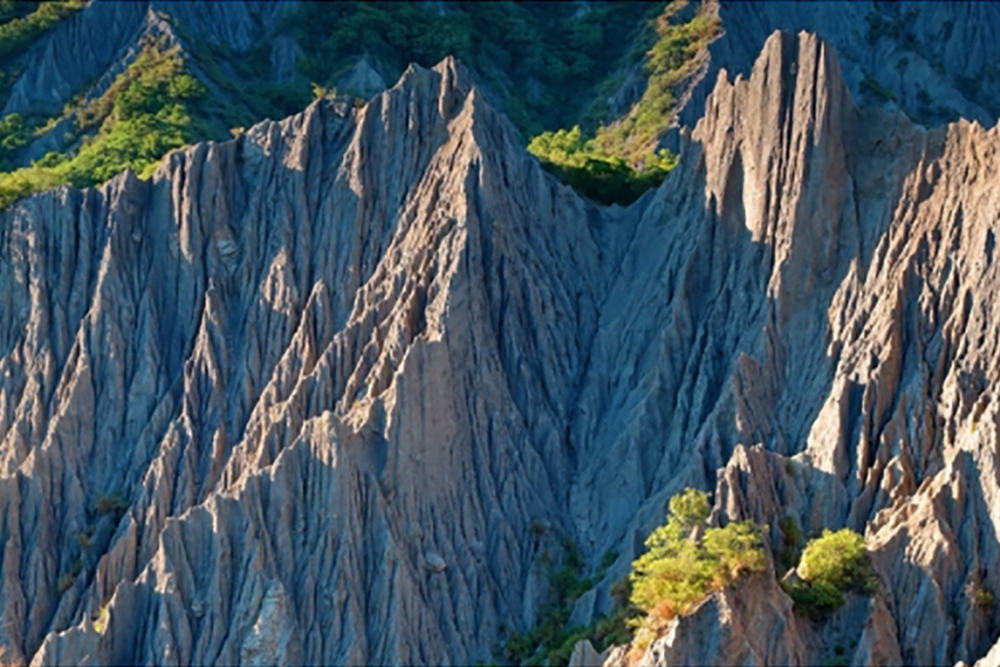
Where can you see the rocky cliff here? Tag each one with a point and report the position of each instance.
(334, 392)
(934, 60)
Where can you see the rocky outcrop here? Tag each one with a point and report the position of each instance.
(331, 392)
(318, 319)
(79, 50)
(86, 51)
(874, 360)
(934, 60)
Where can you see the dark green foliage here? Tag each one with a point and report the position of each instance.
(968, 85)
(881, 27)
(831, 564)
(874, 89)
(22, 24)
(549, 634)
(15, 134)
(242, 92)
(17, 33)
(817, 598)
(111, 505)
(15, 9)
(545, 60)
(67, 580)
(791, 543)
(550, 642)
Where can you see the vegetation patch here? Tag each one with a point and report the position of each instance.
(551, 642)
(549, 634)
(832, 563)
(67, 580)
(622, 161)
(983, 598)
(605, 178)
(687, 561)
(111, 505)
(673, 58)
(143, 115)
(874, 89)
(101, 622)
(15, 134)
(242, 92)
(22, 24)
(545, 61)
(791, 544)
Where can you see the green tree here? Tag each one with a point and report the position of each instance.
(687, 560)
(831, 564)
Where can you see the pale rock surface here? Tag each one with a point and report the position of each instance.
(991, 659)
(748, 625)
(584, 655)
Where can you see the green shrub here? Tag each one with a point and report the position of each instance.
(67, 580)
(681, 569)
(605, 178)
(838, 558)
(831, 564)
(875, 90)
(545, 643)
(983, 598)
(15, 134)
(791, 543)
(111, 504)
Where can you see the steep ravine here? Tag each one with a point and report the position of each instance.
(331, 393)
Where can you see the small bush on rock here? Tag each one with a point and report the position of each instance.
(687, 561)
(831, 564)
(983, 598)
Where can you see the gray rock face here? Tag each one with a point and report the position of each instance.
(79, 50)
(314, 412)
(99, 41)
(874, 359)
(934, 60)
(323, 394)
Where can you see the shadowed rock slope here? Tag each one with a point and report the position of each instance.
(934, 60)
(331, 392)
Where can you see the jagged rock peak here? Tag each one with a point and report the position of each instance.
(868, 362)
(356, 297)
(793, 110)
(919, 57)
